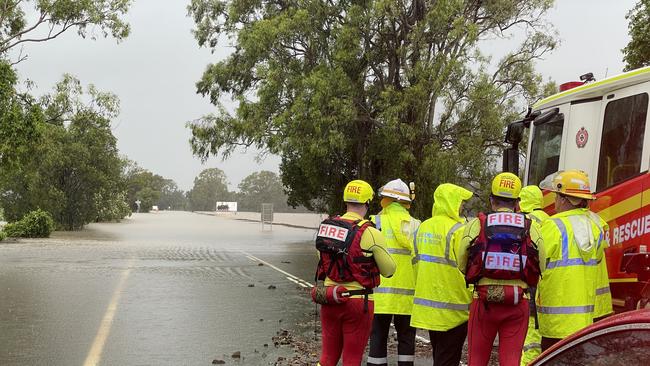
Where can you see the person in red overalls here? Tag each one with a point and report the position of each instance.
(352, 256)
(499, 254)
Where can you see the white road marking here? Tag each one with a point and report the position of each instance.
(95, 354)
(297, 282)
(296, 279)
(303, 283)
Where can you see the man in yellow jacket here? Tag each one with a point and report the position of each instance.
(441, 302)
(394, 296)
(531, 201)
(499, 254)
(574, 240)
(352, 257)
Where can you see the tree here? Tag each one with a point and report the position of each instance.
(142, 185)
(54, 17)
(74, 171)
(370, 89)
(262, 187)
(210, 187)
(19, 118)
(171, 197)
(637, 52)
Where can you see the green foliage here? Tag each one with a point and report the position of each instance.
(151, 189)
(171, 197)
(262, 187)
(35, 224)
(210, 187)
(637, 52)
(54, 17)
(3, 235)
(373, 90)
(74, 172)
(19, 118)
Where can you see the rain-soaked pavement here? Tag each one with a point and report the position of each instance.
(169, 288)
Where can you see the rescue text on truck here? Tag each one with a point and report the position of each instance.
(598, 127)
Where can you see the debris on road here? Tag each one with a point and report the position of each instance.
(272, 287)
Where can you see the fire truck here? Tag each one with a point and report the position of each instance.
(599, 127)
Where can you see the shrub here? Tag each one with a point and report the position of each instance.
(35, 224)
(3, 236)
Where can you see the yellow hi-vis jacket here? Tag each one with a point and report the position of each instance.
(533, 342)
(442, 298)
(603, 304)
(395, 294)
(567, 290)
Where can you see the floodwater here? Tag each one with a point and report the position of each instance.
(167, 288)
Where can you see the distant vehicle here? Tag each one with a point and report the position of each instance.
(620, 340)
(154, 208)
(603, 128)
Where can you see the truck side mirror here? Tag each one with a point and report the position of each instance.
(515, 133)
(511, 160)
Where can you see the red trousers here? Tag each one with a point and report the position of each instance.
(509, 321)
(346, 329)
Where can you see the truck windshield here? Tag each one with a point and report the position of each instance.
(545, 150)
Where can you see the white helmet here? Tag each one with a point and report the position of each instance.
(396, 189)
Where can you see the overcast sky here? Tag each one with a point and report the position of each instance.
(155, 69)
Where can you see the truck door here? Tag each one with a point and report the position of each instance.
(583, 135)
(622, 181)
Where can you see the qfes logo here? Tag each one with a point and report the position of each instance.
(582, 137)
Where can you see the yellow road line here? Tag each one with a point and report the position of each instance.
(95, 354)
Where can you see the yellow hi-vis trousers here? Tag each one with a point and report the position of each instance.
(532, 344)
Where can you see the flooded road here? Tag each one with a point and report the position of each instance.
(169, 288)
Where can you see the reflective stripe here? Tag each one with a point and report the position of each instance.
(378, 360)
(565, 237)
(602, 290)
(565, 261)
(531, 346)
(398, 251)
(405, 358)
(440, 305)
(415, 243)
(516, 292)
(571, 262)
(565, 309)
(449, 236)
(378, 222)
(535, 218)
(394, 290)
(439, 260)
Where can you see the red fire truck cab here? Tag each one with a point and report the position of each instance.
(599, 127)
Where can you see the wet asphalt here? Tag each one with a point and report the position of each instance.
(167, 288)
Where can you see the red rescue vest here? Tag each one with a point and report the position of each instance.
(341, 257)
(503, 250)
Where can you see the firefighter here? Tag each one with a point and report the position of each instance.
(574, 240)
(394, 297)
(441, 302)
(603, 303)
(531, 201)
(352, 257)
(498, 253)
